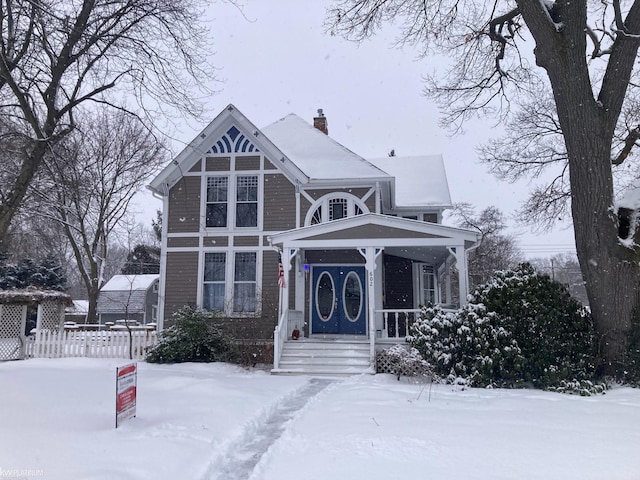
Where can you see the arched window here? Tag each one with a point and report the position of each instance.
(333, 207)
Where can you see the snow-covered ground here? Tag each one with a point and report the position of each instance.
(202, 421)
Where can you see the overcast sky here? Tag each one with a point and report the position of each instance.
(274, 58)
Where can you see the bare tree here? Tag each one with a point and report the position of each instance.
(97, 170)
(586, 63)
(56, 56)
(497, 251)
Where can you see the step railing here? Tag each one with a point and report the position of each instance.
(289, 320)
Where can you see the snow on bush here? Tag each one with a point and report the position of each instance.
(521, 328)
(193, 338)
(400, 360)
(470, 343)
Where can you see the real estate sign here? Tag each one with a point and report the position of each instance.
(126, 379)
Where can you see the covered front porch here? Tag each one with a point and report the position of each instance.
(363, 278)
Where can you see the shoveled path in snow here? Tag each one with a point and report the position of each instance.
(244, 453)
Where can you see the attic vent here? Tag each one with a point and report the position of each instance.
(234, 141)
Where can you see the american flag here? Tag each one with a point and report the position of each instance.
(281, 282)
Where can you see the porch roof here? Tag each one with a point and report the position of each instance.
(375, 230)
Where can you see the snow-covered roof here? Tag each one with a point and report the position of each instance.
(129, 282)
(79, 307)
(33, 295)
(316, 154)
(420, 180)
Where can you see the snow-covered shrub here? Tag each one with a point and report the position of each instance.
(553, 330)
(47, 274)
(193, 338)
(471, 343)
(400, 360)
(584, 388)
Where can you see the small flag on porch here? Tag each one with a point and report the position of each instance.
(281, 282)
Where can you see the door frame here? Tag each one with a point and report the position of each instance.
(365, 309)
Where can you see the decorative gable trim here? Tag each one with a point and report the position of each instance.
(234, 141)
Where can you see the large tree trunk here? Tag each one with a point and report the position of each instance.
(10, 206)
(612, 276)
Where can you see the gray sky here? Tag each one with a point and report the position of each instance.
(274, 58)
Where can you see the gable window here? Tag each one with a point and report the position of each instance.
(333, 207)
(214, 284)
(217, 203)
(337, 208)
(244, 282)
(247, 201)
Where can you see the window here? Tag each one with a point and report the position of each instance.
(337, 208)
(154, 313)
(427, 284)
(247, 201)
(214, 273)
(333, 207)
(244, 282)
(217, 194)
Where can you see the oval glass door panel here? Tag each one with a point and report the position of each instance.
(352, 296)
(325, 296)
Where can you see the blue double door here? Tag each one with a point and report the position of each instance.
(338, 300)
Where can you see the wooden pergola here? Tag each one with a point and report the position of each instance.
(14, 309)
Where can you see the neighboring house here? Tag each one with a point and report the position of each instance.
(77, 312)
(360, 241)
(129, 297)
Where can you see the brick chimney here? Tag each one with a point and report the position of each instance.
(320, 122)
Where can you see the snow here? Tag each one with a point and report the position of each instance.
(630, 199)
(129, 282)
(317, 155)
(209, 421)
(420, 180)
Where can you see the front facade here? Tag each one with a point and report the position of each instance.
(282, 227)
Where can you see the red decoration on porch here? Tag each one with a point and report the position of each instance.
(295, 335)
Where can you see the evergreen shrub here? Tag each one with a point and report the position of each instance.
(521, 328)
(193, 338)
(471, 343)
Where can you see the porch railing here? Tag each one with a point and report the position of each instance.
(396, 322)
(289, 320)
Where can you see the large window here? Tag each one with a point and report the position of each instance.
(247, 201)
(244, 282)
(214, 284)
(217, 201)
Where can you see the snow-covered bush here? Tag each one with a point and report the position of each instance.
(401, 360)
(46, 274)
(521, 328)
(193, 338)
(553, 330)
(471, 343)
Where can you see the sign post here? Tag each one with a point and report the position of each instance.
(126, 380)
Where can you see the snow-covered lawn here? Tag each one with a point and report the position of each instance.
(57, 422)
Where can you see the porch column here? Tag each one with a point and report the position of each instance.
(463, 277)
(370, 254)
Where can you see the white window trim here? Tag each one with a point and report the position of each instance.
(232, 176)
(229, 280)
(352, 202)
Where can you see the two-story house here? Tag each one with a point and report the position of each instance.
(346, 248)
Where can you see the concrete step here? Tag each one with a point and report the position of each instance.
(324, 358)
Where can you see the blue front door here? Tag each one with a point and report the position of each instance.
(338, 303)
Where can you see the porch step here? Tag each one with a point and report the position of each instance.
(320, 357)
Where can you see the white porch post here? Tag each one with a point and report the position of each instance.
(463, 276)
(370, 254)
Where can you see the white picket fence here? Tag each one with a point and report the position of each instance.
(107, 344)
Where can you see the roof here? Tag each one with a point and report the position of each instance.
(129, 282)
(33, 295)
(317, 155)
(420, 180)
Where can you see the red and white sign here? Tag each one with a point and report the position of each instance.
(126, 379)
